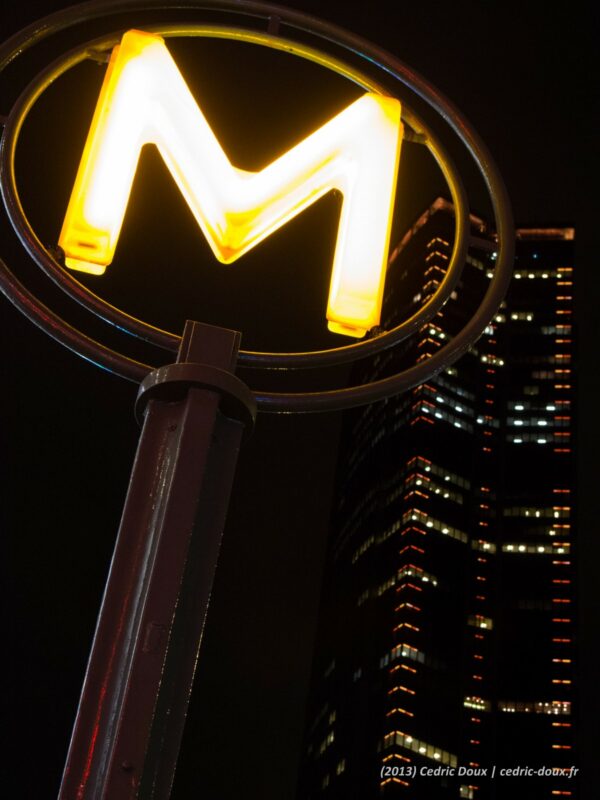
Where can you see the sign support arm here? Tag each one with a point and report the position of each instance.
(136, 692)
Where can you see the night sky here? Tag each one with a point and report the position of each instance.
(521, 74)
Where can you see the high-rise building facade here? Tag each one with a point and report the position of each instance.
(446, 641)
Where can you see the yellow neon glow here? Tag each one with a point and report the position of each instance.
(144, 99)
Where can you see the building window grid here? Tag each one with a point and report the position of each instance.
(536, 438)
(537, 549)
(402, 650)
(412, 571)
(473, 701)
(432, 486)
(557, 421)
(554, 707)
(452, 387)
(425, 407)
(460, 406)
(531, 274)
(415, 515)
(487, 420)
(527, 405)
(480, 621)
(326, 742)
(425, 749)
(555, 512)
(537, 707)
(435, 469)
(483, 546)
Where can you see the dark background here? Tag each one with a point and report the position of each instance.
(521, 73)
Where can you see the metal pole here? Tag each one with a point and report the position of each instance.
(135, 696)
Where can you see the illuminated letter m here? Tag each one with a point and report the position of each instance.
(144, 99)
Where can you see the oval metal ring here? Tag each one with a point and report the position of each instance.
(277, 402)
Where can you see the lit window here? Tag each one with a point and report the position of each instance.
(544, 707)
(479, 621)
(403, 651)
(416, 746)
(478, 703)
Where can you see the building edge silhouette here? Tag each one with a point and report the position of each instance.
(447, 632)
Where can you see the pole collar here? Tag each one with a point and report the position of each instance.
(172, 383)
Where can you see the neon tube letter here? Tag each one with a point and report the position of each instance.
(144, 99)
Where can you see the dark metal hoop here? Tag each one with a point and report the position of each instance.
(81, 294)
(277, 402)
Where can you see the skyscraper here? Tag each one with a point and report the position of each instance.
(446, 640)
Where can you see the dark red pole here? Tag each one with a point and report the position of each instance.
(135, 696)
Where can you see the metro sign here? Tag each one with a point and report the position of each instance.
(144, 99)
